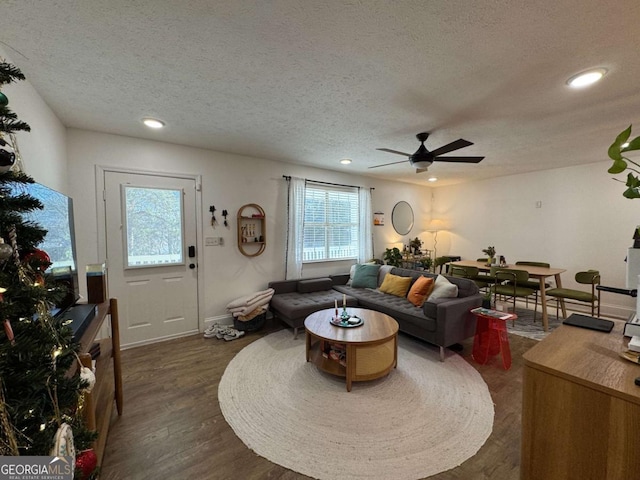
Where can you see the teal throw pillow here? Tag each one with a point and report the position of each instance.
(365, 276)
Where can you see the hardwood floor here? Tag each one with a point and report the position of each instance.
(172, 426)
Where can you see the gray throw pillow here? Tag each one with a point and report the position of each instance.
(365, 276)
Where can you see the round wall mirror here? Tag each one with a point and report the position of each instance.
(402, 218)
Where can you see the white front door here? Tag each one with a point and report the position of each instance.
(151, 254)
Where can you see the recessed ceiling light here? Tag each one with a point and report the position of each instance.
(432, 179)
(586, 78)
(345, 161)
(153, 123)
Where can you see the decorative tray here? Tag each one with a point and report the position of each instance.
(351, 322)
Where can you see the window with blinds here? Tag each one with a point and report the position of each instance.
(330, 223)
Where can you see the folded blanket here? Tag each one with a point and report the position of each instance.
(251, 315)
(244, 301)
(245, 310)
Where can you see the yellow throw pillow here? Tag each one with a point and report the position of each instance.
(395, 285)
(420, 290)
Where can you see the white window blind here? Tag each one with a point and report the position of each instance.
(330, 223)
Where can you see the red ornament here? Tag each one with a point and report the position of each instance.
(9, 331)
(39, 259)
(86, 462)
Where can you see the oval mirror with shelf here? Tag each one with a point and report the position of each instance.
(252, 236)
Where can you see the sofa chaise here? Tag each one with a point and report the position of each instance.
(439, 321)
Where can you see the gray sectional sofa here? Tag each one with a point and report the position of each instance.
(442, 321)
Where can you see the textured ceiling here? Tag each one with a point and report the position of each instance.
(312, 82)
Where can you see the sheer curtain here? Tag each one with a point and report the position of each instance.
(295, 228)
(365, 238)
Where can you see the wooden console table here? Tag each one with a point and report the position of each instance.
(580, 408)
(98, 404)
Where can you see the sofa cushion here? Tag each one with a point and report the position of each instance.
(314, 285)
(294, 306)
(420, 290)
(365, 276)
(443, 288)
(395, 285)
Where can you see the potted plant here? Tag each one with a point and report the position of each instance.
(621, 163)
(392, 256)
(486, 299)
(415, 245)
(491, 253)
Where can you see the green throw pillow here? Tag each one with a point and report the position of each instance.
(365, 276)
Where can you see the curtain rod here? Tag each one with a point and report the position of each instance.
(288, 177)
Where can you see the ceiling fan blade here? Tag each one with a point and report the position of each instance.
(393, 151)
(386, 164)
(450, 147)
(458, 159)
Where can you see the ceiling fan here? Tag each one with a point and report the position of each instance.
(423, 158)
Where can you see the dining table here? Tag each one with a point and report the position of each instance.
(539, 273)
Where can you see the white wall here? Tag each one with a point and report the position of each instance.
(43, 150)
(584, 223)
(228, 182)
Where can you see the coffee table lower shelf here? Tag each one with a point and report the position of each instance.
(362, 361)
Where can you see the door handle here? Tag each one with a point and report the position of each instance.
(192, 266)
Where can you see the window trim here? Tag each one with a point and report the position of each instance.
(326, 190)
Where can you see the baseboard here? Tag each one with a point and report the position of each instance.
(158, 340)
(219, 319)
(606, 310)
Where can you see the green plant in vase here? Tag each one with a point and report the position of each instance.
(490, 252)
(486, 299)
(621, 163)
(415, 245)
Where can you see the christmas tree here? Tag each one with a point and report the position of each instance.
(40, 402)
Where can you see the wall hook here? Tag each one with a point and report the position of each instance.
(212, 209)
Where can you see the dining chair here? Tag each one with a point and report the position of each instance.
(534, 284)
(508, 283)
(484, 276)
(588, 277)
(439, 262)
(472, 273)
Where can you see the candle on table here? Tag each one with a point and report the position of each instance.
(344, 301)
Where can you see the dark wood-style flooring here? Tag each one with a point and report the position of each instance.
(172, 426)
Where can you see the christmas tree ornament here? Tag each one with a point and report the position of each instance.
(87, 462)
(88, 376)
(4, 101)
(9, 331)
(5, 250)
(7, 156)
(38, 259)
(63, 443)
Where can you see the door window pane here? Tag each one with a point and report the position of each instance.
(153, 226)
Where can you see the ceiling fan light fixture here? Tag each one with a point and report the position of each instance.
(422, 164)
(345, 161)
(153, 122)
(584, 79)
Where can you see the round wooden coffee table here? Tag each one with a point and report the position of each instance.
(371, 350)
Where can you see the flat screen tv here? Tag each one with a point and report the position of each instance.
(57, 218)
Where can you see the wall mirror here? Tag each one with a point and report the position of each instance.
(402, 218)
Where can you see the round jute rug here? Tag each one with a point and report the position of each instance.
(425, 417)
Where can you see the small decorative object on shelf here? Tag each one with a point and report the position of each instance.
(251, 230)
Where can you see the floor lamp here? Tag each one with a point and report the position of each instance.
(436, 225)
